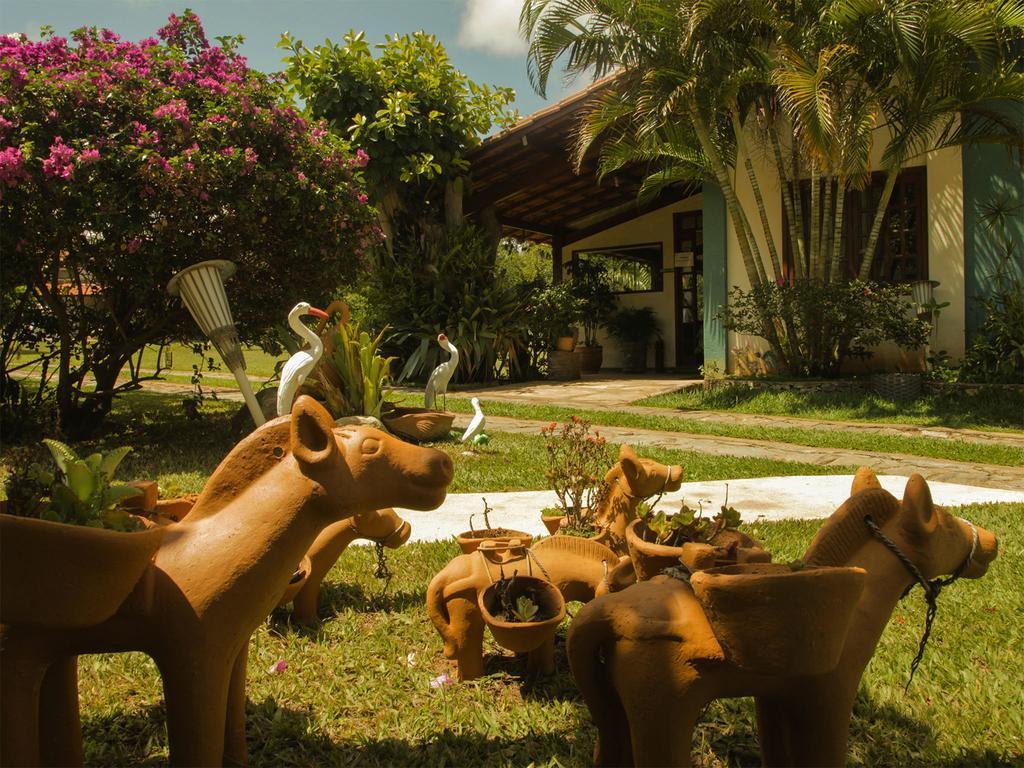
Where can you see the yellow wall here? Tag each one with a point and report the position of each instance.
(652, 227)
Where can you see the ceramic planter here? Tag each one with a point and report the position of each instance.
(563, 365)
(565, 343)
(470, 541)
(65, 576)
(699, 557)
(591, 358)
(649, 560)
(419, 424)
(523, 637)
(773, 620)
(553, 522)
(634, 356)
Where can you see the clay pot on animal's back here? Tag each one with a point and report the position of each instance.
(418, 424)
(772, 619)
(727, 547)
(62, 576)
(522, 636)
(470, 541)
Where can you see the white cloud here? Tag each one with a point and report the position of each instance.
(493, 25)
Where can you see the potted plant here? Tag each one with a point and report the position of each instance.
(469, 541)
(577, 459)
(634, 328)
(591, 286)
(555, 312)
(523, 612)
(657, 540)
(69, 554)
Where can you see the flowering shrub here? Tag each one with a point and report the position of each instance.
(813, 326)
(122, 162)
(577, 462)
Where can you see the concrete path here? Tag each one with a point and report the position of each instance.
(762, 498)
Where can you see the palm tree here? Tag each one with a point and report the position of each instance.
(700, 84)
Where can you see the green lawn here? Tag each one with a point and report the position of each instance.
(180, 455)
(955, 450)
(990, 410)
(351, 695)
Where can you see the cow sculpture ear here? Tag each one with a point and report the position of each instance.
(864, 479)
(312, 436)
(630, 463)
(919, 516)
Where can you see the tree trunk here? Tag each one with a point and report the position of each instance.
(796, 238)
(837, 234)
(750, 259)
(812, 270)
(828, 221)
(741, 147)
(876, 227)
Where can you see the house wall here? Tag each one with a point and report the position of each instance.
(652, 227)
(945, 204)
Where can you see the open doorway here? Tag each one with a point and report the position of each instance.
(688, 271)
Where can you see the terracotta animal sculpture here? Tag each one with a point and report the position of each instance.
(215, 576)
(647, 660)
(578, 567)
(629, 482)
(381, 526)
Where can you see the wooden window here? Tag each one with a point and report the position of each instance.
(901, 254)
(631, 268)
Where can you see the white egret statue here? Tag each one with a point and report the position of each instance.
(476, 426)
(301, 364)
(437, 384)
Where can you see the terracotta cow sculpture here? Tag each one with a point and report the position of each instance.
(647, 660)
(577, 566)
(631, 480)
(380, 526)
(213, 578)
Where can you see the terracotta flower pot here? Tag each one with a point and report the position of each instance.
(699, 556)
(590, 358)
(523, 637)
(418, 424)
(552, 522)
(297, 581)
(63, 576)
(470, 541)
(649, 560)
(565, 343)
(773, 620)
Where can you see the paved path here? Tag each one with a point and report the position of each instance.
(763, 498)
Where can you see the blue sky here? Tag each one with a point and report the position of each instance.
(481, 36)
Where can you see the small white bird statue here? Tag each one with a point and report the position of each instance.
(437, 384)
(476, 426)
(301, 364)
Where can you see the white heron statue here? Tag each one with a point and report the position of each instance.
(476, 426)
(302, 363)
(437, 384)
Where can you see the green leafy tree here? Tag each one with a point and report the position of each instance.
(124, 162)
(413, 114)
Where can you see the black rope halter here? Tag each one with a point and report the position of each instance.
(931, 588)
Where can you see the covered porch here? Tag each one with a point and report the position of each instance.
(668, 254)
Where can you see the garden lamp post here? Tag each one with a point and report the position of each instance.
(201, 288)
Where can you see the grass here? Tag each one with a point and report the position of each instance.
(987, 410)
(180, 455)
(939, 448)
(351, 695)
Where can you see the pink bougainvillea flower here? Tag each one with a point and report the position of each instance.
(278, 667)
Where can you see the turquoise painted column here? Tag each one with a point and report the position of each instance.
(715, 279)
(993, 175)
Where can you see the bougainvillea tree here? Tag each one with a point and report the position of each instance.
(123, 162)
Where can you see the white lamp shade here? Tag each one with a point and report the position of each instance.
(923, 291)
(201, 287)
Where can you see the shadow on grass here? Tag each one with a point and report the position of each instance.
(281, 735)
(335, 597)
